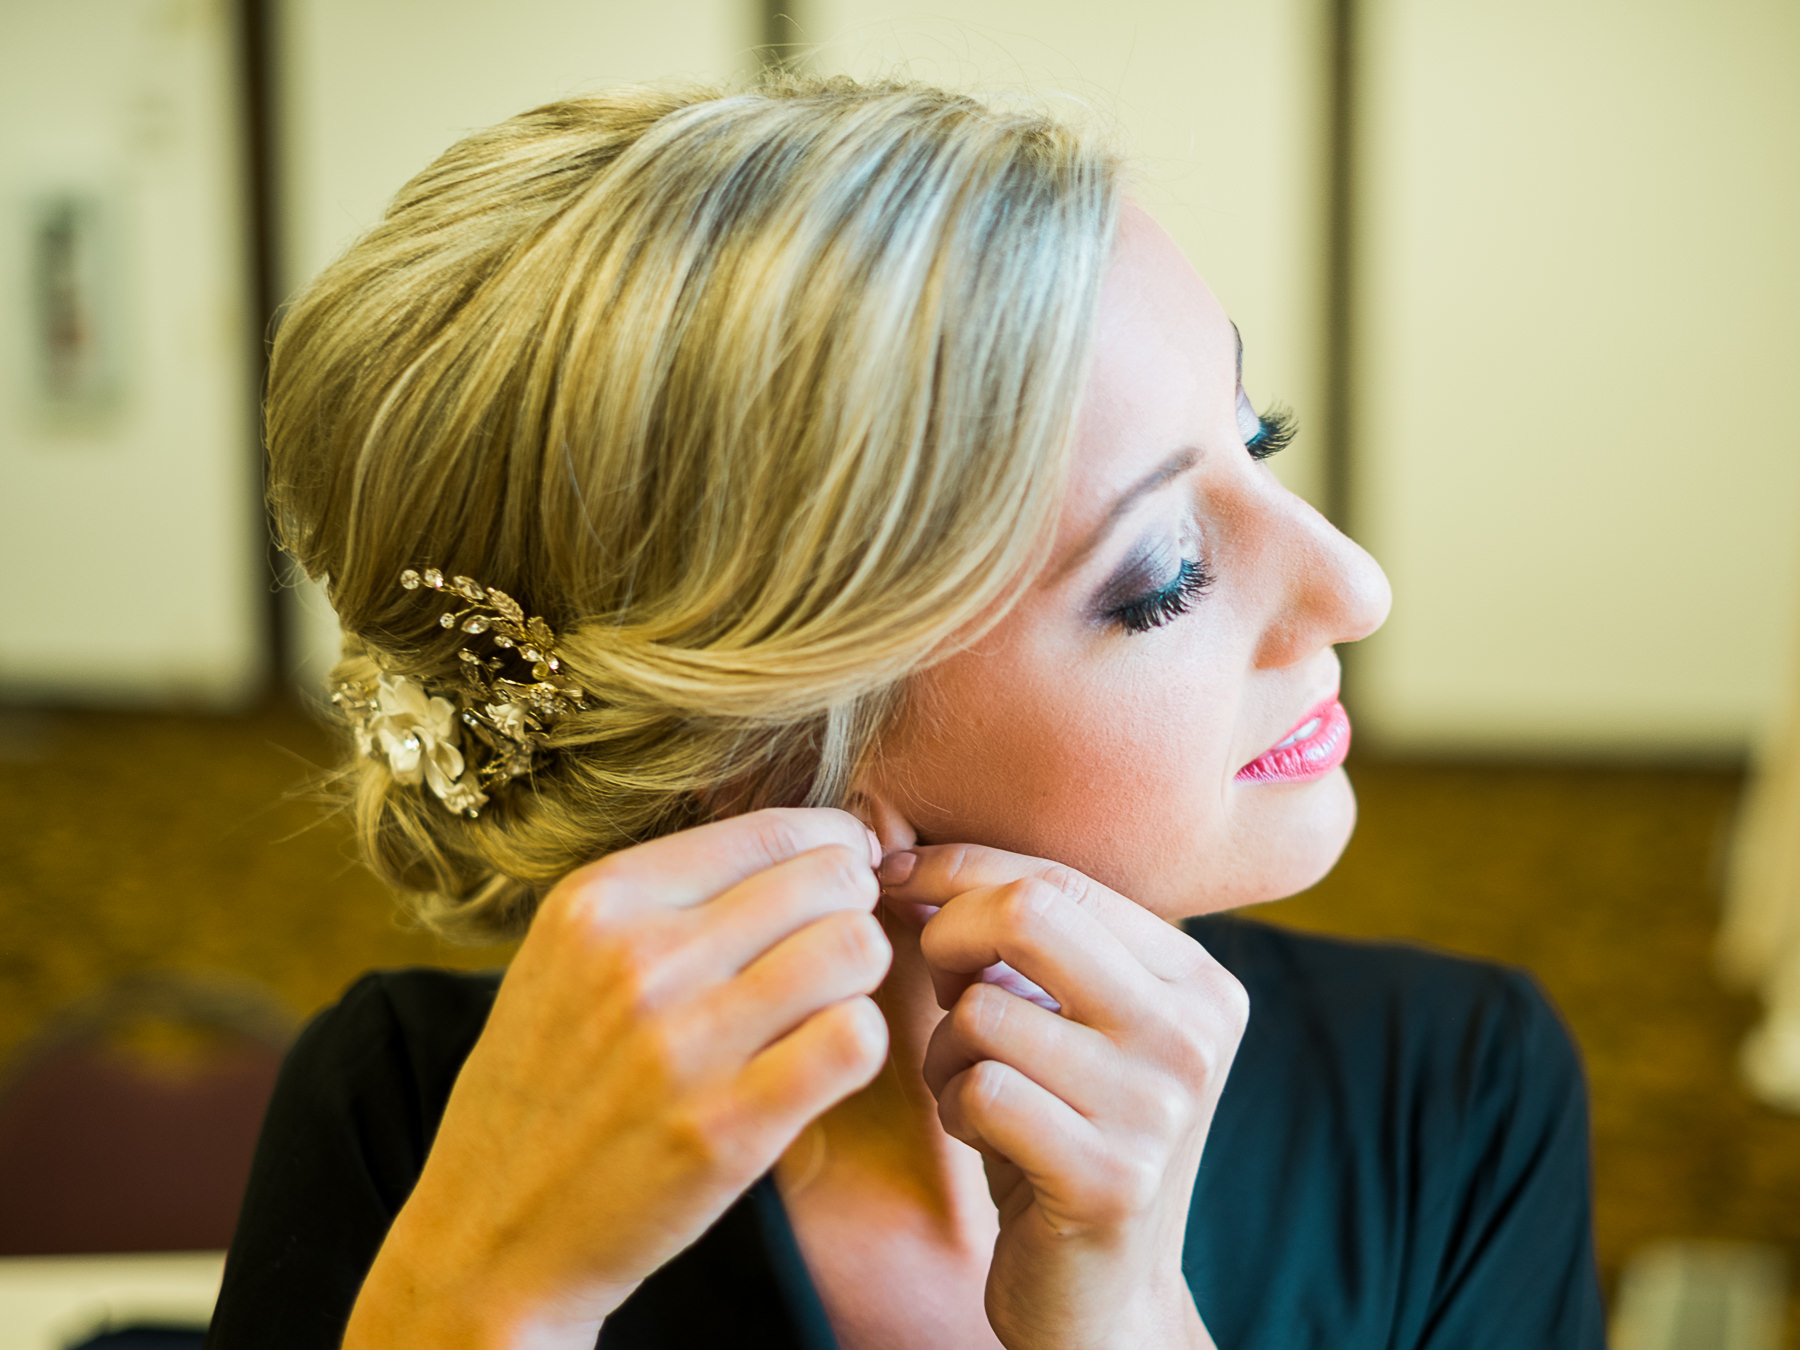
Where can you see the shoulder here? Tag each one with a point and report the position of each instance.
(1430, 1105)
(1401, 1004)
(1399, 1051)
(433, 1009)
(395, 1040)
(372, 1072)
(345, 1134)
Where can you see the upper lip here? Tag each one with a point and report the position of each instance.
(1317, 709)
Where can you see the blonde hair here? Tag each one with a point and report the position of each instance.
(760, 398)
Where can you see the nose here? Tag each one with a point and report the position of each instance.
(1327, 589)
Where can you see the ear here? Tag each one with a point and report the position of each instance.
(877, 810)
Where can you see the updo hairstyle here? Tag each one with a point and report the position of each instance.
(762, 399)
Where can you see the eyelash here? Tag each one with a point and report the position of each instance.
(1161, 606)
(1275, 432)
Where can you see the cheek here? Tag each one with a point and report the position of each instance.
(1122, 776)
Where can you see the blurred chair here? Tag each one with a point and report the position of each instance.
(1701, 1295)
(129, 1123)
(1759, 944)
(147, 1336)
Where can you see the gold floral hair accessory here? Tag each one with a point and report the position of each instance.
(466, 741)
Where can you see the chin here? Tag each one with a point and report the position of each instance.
(1321, 823)
(1291, 835)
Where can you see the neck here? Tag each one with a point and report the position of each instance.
(888, 1135)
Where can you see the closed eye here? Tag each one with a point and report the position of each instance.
(1166, 603)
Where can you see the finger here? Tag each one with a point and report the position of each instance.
(1003, 976)
(694, 865)
(832, 959)
(940, 872)
(732, 930)
(1046, 937)
(1067, 1059)
(835, 1052)
(993, 1107)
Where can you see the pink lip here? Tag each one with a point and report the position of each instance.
(1314, 755)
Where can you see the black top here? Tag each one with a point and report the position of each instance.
(1400, 1159)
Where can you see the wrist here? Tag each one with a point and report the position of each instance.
(427, 1287)
(1161, 1317)
(1166, 1317)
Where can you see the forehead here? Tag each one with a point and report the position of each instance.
(1163, 378)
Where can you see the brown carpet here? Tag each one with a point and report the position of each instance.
(145, 842)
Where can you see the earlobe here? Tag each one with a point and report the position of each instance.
(878, 811)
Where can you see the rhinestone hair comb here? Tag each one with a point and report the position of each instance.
(466, 741)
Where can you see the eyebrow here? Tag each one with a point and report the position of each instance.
(1171, 468)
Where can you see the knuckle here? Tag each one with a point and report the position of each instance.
(610, 881)
(1127, 1185)
(1197, 1056)
(705, 1140)
(776, 833)
(660, 1051)
(955, 862)
(936, 942)
(632, 967)
(846, 871)
(604, 875)
(1140, 1182)
(858, 1041)
(1065, 881)
(691, 1140)
(862, 943)
(1167, 1107)
(986, 1083)
(1237, 1002)
(1023, 902)
(1232, 1000)
(1216, 1016)
(587, 898)
(628, 987)
(978, 1014)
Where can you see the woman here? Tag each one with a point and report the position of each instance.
(806, 560)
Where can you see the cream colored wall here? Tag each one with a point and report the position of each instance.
(130, 535)
(1578, 443)
(372, 90)
(1219, 101)
(1578, 452)
(1220, 105)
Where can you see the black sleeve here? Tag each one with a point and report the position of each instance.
(345, 1135)
(1399, 1160)
(1515, 1266)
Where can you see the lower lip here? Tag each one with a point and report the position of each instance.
(1316, 754)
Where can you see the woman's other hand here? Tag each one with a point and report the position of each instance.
(1091, 1120)
(678, 1012)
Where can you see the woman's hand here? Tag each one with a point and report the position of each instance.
(1091, 1120)
(677, 1014)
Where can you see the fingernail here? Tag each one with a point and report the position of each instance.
(896, 867)
(874, 847)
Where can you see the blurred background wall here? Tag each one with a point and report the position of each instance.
(131, 536)
(1576, 429)
(1525, 272)
(367, 92)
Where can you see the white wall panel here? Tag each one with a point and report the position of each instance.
(1578, 444)
(373, 90)
(130, 534)
(1221, 107)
